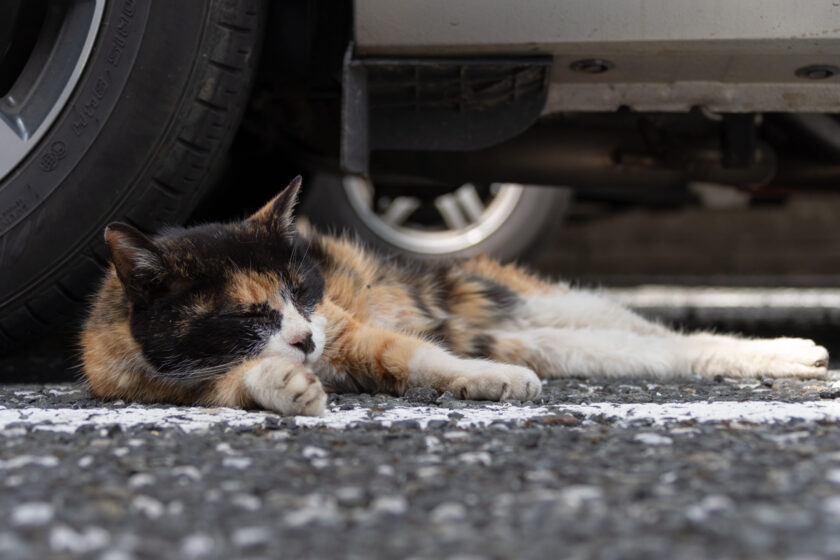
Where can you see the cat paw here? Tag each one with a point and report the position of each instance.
(497, 382)
(779, 357)
(791, 357)
(285, 387)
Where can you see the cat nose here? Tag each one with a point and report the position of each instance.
(303, 342)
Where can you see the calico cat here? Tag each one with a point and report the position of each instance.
(260, 313)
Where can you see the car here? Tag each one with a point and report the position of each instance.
(432, 127)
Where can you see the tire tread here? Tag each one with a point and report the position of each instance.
(184, 167)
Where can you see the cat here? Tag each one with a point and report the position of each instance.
(265, 313)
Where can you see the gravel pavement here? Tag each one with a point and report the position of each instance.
(593, 469)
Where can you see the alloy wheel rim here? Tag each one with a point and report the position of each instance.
(466, 218)
(43, 87)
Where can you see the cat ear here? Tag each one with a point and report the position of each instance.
(277, 213)
(139, 263)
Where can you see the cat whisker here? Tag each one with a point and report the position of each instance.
(303, 260)
(234, 265)
(294, 252)
(195, 375)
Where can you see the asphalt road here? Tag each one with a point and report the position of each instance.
(593, 469)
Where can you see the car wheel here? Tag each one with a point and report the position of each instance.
(505, 220)
(110, 110)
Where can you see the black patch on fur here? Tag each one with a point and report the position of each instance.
(443, 283)
(417, 297)
(482, 345)
(441, 334)
(502, 297)
(307, 289)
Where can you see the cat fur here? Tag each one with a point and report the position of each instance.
(263, 313)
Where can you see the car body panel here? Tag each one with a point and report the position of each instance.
(666, 55)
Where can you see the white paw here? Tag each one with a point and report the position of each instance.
(493, 381)
(779, 357)
(790, 357)
(286, 387)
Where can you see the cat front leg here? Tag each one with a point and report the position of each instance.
(272, 383)
(471, 379)
(358, 356)
(285, 387)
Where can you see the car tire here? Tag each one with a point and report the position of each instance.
(140, 140)
(521, 229)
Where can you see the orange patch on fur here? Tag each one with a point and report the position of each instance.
(344, 290)
(469, 304)
(516, 278)
(229, 389)
(249, 287)
(116, 369)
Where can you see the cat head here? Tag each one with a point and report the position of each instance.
(204, 298)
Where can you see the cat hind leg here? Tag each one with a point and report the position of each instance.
(744, 357)
(563, 308)
(554, 353)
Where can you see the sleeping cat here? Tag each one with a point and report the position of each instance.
(259, 313)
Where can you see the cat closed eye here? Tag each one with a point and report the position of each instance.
(262, 312)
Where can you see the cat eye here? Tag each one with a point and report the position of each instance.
(256, 312)
(249, 314)
(306, 298)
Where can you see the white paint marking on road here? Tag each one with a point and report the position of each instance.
(193, 419)
(766, 412)
(726, 297)
(653, 439)
(32, 514)
(29, 460)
